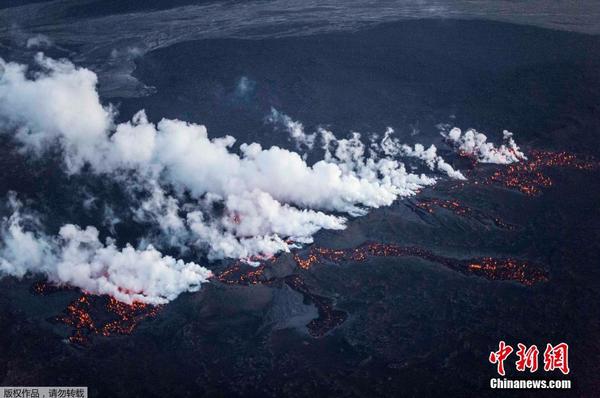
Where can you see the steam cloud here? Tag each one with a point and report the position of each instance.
(38, 41)
(271, 197)
(77, 257)
(294, 128)
(391, 147)
(473, 143)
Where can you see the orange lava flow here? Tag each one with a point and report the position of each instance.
(523, 272)
(506, 269)
(106, 316)
(242, 274)
(429, 204)
(528, 176)
(44, 288)
(328, 318)
(453, 205)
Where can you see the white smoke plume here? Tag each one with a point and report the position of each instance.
(22, 251)
(391, 147)
(177, 175)
(38, 41)
(76, 257)
(473, 143)
(350, 156)
(294, 128)
(59, 105)
(252, 223)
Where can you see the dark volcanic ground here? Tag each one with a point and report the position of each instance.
(412, 327)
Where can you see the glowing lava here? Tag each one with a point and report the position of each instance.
(529, 178)
(453, 205)
(429, 204)
(328, 319)
(43, 288)
(242, 274)
(101, 315)
(523, 272)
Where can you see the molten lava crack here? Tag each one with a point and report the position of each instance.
(102, 315)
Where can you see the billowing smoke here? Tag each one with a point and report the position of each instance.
(391, 147)
(473, 143)
(76, 257)
(253, 223)
(38, 41)
(294, 128)
(195, 190)
(59, 105)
